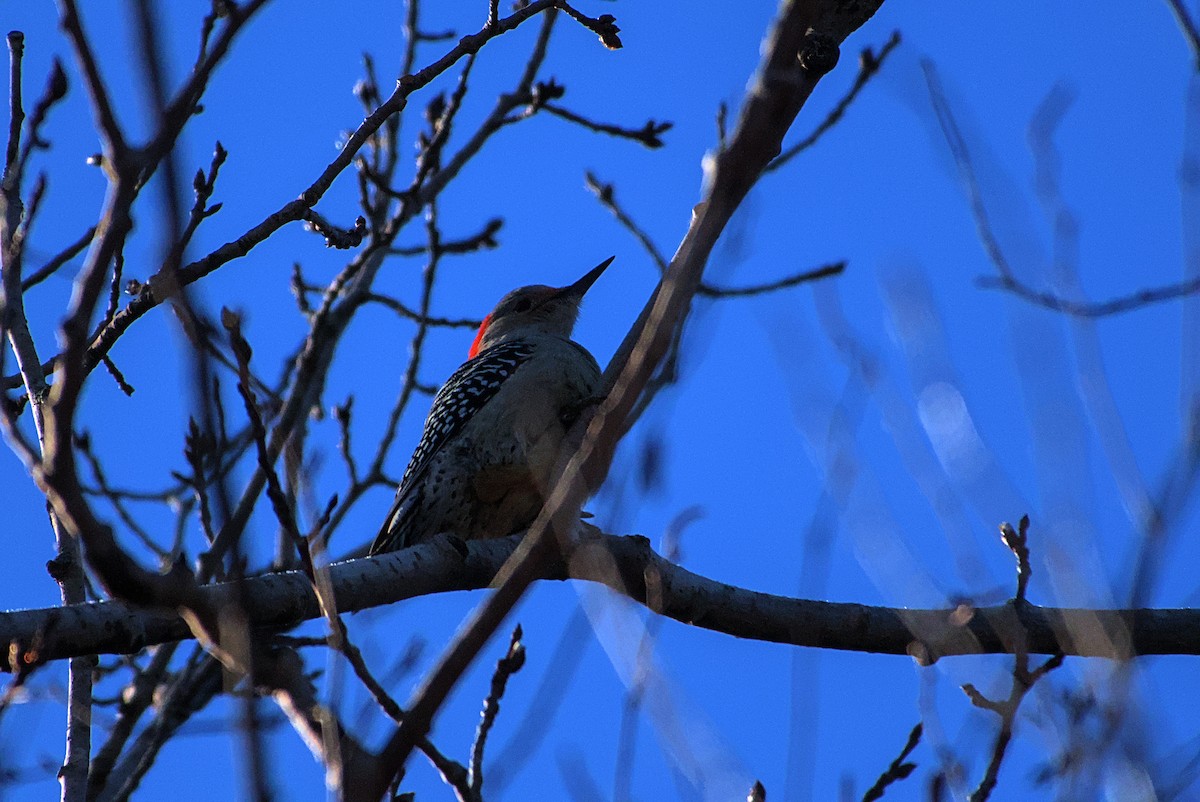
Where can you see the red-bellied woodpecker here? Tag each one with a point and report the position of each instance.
(486, 457)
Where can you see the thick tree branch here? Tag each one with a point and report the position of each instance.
(284, 599)
(801, 48)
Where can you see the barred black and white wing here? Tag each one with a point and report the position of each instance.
(466, 391)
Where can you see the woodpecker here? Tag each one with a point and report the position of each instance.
(483, 465)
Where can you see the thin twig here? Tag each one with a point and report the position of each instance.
(416, 317)
(1007, 279)
(1007, 710)
(511, 663)
(962, 159)
(1094, 309)
(649, 134)
(606, 194)
(898, 770)
(84, 444)
(335, 237)
(294, 210)
(275, 492)
(869, 63)
(55, 91)
(1187, 27)
(137, 698)
(197, 684)
(1017, 541)
(54, 263)
(1023, 679)
(797, 279)
(453, 772)
(795, 57)
(197, 446)
(342, 413)
(484, 240)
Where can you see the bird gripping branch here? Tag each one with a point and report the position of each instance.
(486, 458)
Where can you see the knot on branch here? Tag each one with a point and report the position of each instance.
(819, 53)
(60, 566)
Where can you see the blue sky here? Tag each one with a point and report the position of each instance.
(972, 397)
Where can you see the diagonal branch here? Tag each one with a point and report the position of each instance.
(800, 49)
(869, 63)
(103, 341)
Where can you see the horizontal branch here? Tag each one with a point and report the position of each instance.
(622, 563)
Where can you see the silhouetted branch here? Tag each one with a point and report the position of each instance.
(190, 691)
(962, 159)
(293, 210)
(282, 508)
(284, 599)
(1023, 679)
(511, 663)
(898, 769)
(649, 134)
(335, 237)
(139, 696)
(772, 286)
(1017, 541)
(606, 194)
(84, 444)
(61, 258)
(801, 48)
(484, 240)
(1007, 709)
(869, 63)
(423, 320)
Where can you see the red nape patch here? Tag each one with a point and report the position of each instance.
(478, 337)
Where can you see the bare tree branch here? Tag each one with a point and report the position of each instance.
(284, 599)
(802, 47)
(898, 769)
(103, 341)
(1023, 679)
(1091, 309)
(649, 134)
(869, 63)
(1007, 278)
(511, 663)
(58, 260)
(1187, 26)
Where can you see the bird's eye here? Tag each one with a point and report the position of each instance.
(523, 305)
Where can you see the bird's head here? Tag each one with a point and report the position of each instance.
(536, 309)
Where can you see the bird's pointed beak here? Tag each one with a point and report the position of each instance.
(580, 287)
